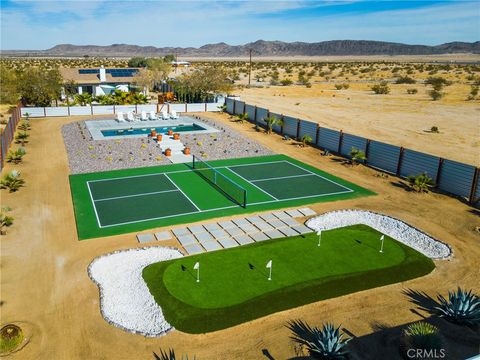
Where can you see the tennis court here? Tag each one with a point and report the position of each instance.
(174, 194)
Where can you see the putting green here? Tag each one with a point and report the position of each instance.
(234, 285)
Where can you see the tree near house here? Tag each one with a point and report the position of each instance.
(38, 86)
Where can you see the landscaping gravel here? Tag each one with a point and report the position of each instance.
(88, 155)
(125, 300)
(392, 227)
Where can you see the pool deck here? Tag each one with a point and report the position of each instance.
(95, 127)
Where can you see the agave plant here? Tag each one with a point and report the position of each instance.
(462, 307)
(170, 355)
(356, 156)
(12, 181)
(15, 156)
(422, 335)
(326, 343)
(420, 183)
(5, 220)
(21, 138)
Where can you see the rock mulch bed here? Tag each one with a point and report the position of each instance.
(392, 227)
(125, 300)
(87, 155)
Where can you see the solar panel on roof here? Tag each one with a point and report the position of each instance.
(88, 71)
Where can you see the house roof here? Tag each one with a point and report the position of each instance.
(89, 76)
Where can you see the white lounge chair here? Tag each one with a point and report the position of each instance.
(173, 114)
(143, 116)
(153, 116)
(120, 117)
(165, 115)
(130, 116)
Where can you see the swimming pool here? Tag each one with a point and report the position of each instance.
(147, 130)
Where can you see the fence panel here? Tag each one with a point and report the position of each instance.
(56, 111)
(239, 107)
(146, 107)
(456, 178)
(33, 111)
(80, 110)
(308, 128)
(261, 115)
(214, 106)
(126, 108)
(415, 163)
(200, 107)
(103, 110)
(477, 192)
(250, 110)
(229, 102)
(329, 139)
(352, 141)
(176, 107)
(290, 126)
(383, 156)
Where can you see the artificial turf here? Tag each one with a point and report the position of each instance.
(234, 285)
(148, 207)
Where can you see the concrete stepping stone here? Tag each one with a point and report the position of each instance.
(254, 219)
(294, 213)
(291, 222)
(196, 229)
(263, 226)
(281, 215)
(212, 227)
(274, 234)
(302, 229)
(268, 217)
(243, 239)
(181, 231)
(288, 231)
(259, 236)
(249, 228)
(163, 235)
(219, 234)
(227, 224)
(228, 243)
(240, 222)
(203, 237)
(277, 223)
(307, 211)
(234, 231)
(211, 245)
(186, 239)
(145, 238)
(192, 249)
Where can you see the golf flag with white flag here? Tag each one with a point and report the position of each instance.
(381, 239)
(319, 234)
(269, 266)
(197, 267)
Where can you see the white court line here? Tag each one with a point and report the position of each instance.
(281, 177)
(182, 192)
(134, 195)
(240, 176)
(93, 203)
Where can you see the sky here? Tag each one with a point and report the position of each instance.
(41, 24)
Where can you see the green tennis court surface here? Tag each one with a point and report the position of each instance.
(116, 202)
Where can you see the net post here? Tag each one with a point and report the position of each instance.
(245, 198)
(193, 164)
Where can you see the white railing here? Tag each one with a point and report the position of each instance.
(113, 109)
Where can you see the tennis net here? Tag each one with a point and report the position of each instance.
(229, 187)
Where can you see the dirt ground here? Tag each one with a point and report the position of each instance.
(397, 118)
(44, 281)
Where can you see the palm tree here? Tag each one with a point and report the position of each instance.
(356, 156)
(12, 181)
(271, 122)
(420, 183)
(24, 126)
(242, 117)
(21, 138)
(326, 343)
(16, 156)
(137, 98)
(5, 220)
(306, 139)
(83, 99)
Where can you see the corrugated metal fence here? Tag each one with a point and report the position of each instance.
(450, 176)
(6, 136)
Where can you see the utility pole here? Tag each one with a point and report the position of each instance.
(250, 68)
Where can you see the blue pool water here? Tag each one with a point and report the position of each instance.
(146, 131)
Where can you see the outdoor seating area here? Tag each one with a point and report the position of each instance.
(143, 116)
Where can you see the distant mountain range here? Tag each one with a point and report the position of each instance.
(260, 48)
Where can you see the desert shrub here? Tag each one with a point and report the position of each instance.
(286, 82)
(437, 82)
(434, 129)
(412, 91)
(435, 94)
(338, 86)
(381, 88)
(473, 92)
(345, 86)
(405, 80)
(462, 307)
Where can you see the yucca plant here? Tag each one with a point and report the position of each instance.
(420, 183)
(326, 343)
(12, 181)
(356, 156)
(170, 355)
(15, 156)
(422, 335)
(462, 307)
(5, 220)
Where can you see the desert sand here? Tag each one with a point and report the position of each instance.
(44, 281)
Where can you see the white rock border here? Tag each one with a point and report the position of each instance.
(388, 225)
(125, 300)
